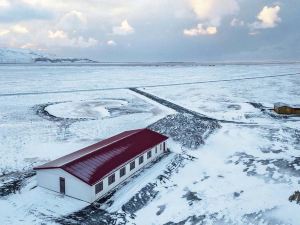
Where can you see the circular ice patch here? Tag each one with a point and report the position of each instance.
(91, 109)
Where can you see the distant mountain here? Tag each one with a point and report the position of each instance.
(11, 55)
(62, 60)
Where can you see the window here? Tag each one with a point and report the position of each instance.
(132, 165)
(99, 187)
(155, 149)
(149, 154)
(141, 159)
(111, 179)
(122, 171)
(62, 185)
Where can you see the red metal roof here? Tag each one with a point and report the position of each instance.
(94, 162)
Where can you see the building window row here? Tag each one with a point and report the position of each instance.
(99, 187)
(149, 154)
(132, 165)
(122, 171)
(112, 177)
(141, 159)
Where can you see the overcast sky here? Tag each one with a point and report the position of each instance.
(155, 30)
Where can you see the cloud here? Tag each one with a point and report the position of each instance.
(4, 32)
(72, 20)
(15, 11)
(4, 4)
(57, 34)
(237, 22)
(62, 39)
(253, 33)
(31, 46)
(111, 43)
(81, 42)
(76, 42)
(124, 29)
(200, 30)
(15, 29)
(212, 11)
(19, 29)
(268, 18)
(169, 28)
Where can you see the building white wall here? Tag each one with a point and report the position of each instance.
(107, 188)
(74, 187)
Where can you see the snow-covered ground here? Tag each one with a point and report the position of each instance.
(243, 174)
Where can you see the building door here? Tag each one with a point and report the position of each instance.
(164, 147)
(62, 185)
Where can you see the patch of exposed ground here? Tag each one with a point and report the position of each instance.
(279, 170)
(260, 217)
(187, 129)
(191, 197)
(295, 197)
(215, 218)
(161, 209)
(12, 182)
(192, 220)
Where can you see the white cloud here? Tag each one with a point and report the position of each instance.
(57, 34)
(4, 4)
(237, 22)
(124, 29)
(201, 30)
(61, 38)
(253, 33)
(19, 29)
(212, 11)
(4, 32)
(72, 21)
(74, 16)
(78, 42)
(84, 43)
(29, 46)
(111, 43)
(268, 18)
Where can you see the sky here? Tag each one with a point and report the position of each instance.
(154, 30)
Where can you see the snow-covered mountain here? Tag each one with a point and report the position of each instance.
(11, 55)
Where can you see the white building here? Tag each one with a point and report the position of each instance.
(90, 173)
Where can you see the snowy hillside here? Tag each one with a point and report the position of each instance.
(11, 55)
